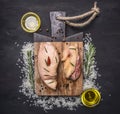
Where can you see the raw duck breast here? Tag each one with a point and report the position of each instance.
(72, 64)
(48, 61)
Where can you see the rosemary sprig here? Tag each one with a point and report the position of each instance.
(89, 59)
(30, 68)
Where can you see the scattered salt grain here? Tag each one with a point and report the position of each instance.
(15, 43)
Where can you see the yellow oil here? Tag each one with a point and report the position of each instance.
(91, 97)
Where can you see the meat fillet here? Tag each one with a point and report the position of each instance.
(48, 61)
(71, 59)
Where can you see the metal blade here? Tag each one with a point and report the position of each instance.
(41, 38)
(57, 27)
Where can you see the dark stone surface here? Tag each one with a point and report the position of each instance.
(105, 31)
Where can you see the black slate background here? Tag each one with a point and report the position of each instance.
(105, 31)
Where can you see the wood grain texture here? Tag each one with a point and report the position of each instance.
(65, 87)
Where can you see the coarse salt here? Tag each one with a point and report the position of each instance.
(31, 23)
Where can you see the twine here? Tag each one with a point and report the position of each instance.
(94, 12)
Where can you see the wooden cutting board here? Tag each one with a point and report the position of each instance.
(65, 87)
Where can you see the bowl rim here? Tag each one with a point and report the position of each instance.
(35, 15)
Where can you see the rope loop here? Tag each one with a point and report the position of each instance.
(93, 12)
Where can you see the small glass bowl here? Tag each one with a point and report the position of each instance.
(25, 16)
(91, 97)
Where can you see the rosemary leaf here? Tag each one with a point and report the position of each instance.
(30, 68)
(45, 49)
(89, 59)
(50, 82)
(72, 64)
(46, 70)
(46, 75)
(73, 48)
(46, 62)
(56, 59)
